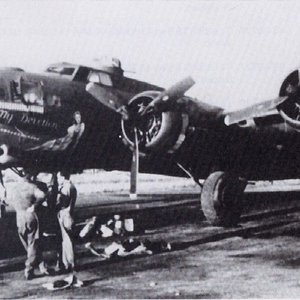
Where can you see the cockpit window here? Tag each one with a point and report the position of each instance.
(94, 77)
(2, 94)
(26, 92)
(105, 79)
(100, 77)
(61, 70)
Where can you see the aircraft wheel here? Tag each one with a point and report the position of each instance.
(221, 199)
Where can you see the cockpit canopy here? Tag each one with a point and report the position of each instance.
(61, 69)
(103, 73)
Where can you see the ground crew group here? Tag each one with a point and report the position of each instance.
(32, 199)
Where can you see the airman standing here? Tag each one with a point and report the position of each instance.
(65, 207)
(3, 203)
(26, 196)
(52, 215)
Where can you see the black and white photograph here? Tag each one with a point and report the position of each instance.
(149, 149)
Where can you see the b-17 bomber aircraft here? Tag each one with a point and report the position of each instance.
(74, 117)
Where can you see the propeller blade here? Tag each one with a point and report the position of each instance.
(170, 95)
(134, 167)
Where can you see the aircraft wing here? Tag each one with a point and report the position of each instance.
(200, 113)
(257, 110)
(287, 105)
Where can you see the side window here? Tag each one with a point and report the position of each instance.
(82, 74)
(53, 100)
(15, 89)
(94, 77)
(27, 92)
(2, 94)
(67, 71)
(105, 79)
(33, 94)
(61, 70)
(101, 78)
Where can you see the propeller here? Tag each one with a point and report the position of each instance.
(165, 99)
(134, 167)
(290, 109)
(287, 104)
(169, 96)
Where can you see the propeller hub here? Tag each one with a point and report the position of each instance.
(290, 109)
(156, 131)
(147, 126)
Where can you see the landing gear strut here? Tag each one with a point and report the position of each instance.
(221, 198)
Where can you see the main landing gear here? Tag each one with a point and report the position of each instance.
(221, 198)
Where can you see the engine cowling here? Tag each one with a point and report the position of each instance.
(156, 131)
(290, 108)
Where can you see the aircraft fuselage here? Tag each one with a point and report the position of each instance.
(37, 112)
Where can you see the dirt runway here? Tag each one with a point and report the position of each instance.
(257, 259)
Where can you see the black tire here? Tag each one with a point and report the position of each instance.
(221, 199)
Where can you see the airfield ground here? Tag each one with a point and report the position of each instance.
(258, 259)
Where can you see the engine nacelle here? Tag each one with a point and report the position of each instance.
(290, 108)
(156, 131)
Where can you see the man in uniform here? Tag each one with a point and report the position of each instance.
(3, 203)
(65, 211)
(53, 227)
(65, 214)
(26, 196)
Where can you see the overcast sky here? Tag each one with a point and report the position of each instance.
(237, 52)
